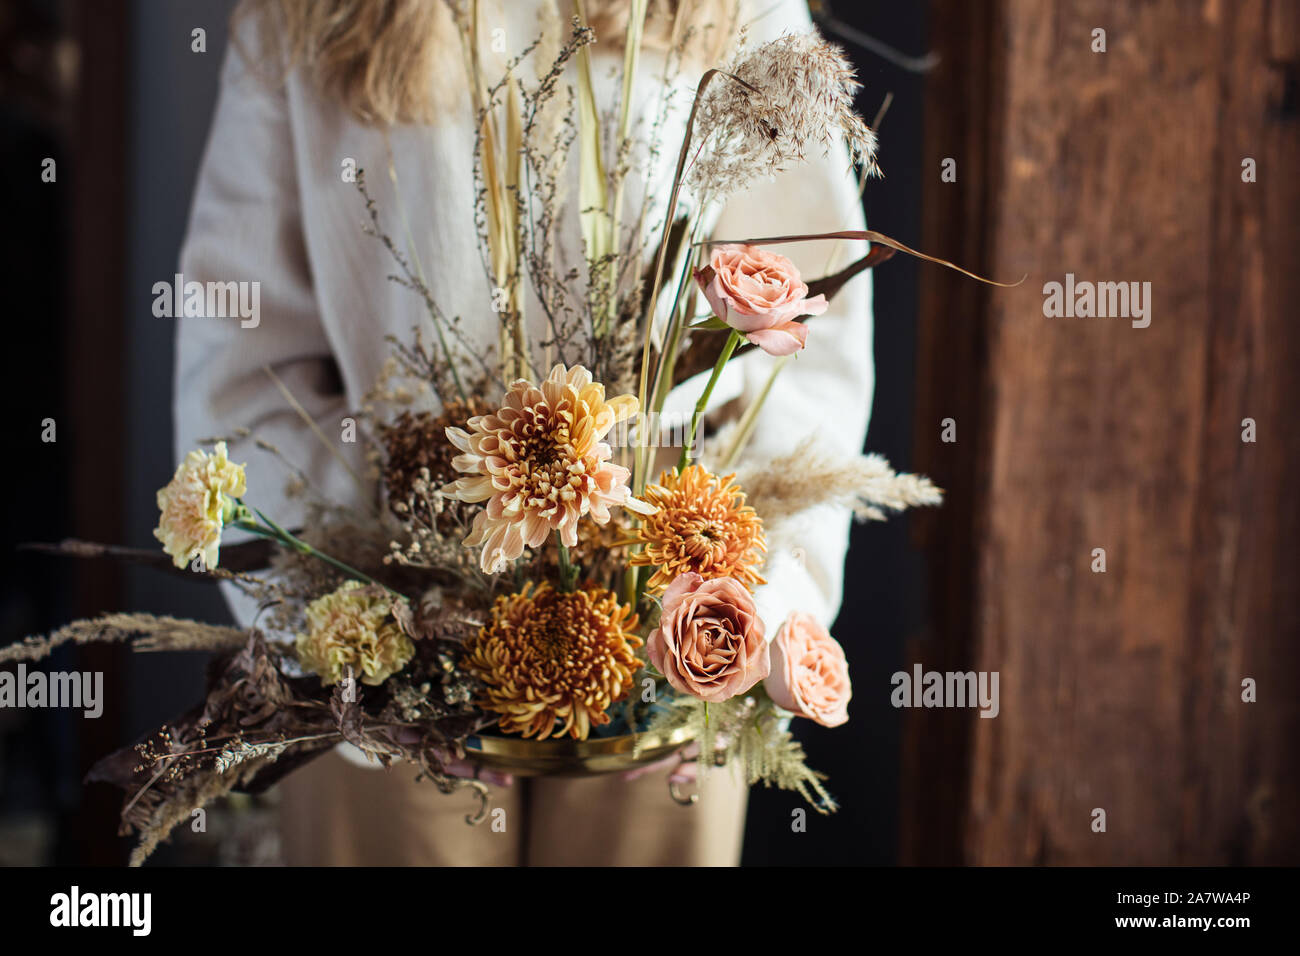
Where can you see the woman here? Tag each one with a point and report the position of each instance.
(369, 84)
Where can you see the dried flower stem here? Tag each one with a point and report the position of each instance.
(593, 194)
(254, 522)
(311, 424)
(568, 572)
(631, 57)
(643, 447)
(414, 253)
(501, 226)
(869, 235)
(155, 633)
(677, 322)
(748, 421)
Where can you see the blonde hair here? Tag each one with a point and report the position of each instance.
(393, 61)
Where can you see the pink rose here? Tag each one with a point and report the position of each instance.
(810, 675)
(709, 642)
(760, 294)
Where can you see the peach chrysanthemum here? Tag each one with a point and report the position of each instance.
(353, 626)
(540, 464)
(195, 505)
(701, 524)
(553, 663)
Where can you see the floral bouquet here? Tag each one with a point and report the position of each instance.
(529, 584)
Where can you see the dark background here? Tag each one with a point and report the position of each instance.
(114, 93)
(884, 579)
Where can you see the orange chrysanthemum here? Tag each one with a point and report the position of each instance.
(701, 524)
(553, 663)
(541, 464)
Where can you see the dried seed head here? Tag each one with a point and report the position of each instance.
(796, 99)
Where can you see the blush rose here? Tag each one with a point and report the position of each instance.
(710, 641)
(759, 294)
(810, 674)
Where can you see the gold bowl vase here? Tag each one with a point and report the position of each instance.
(566, 757)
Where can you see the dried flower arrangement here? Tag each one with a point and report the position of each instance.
(521, 575)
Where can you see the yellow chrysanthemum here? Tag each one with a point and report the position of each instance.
(540, 464)
(701, 524)
(353, 626)
(194, 505)
(553, 663)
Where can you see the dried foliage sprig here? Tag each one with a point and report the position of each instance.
(867, 235)
(782, 488)
(548, 133)
(443, 377)
(257, 724)
(794, 97)
(147, 632)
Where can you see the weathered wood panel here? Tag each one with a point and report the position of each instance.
(1121, 690)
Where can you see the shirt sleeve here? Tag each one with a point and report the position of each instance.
(245, 227)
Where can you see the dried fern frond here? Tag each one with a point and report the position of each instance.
(748, 730)
(148, 632)
(770, 754)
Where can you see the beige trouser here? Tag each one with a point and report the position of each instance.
(334, 813)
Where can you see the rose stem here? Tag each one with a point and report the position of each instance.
(732, 341)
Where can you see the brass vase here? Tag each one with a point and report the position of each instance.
(566, 757)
